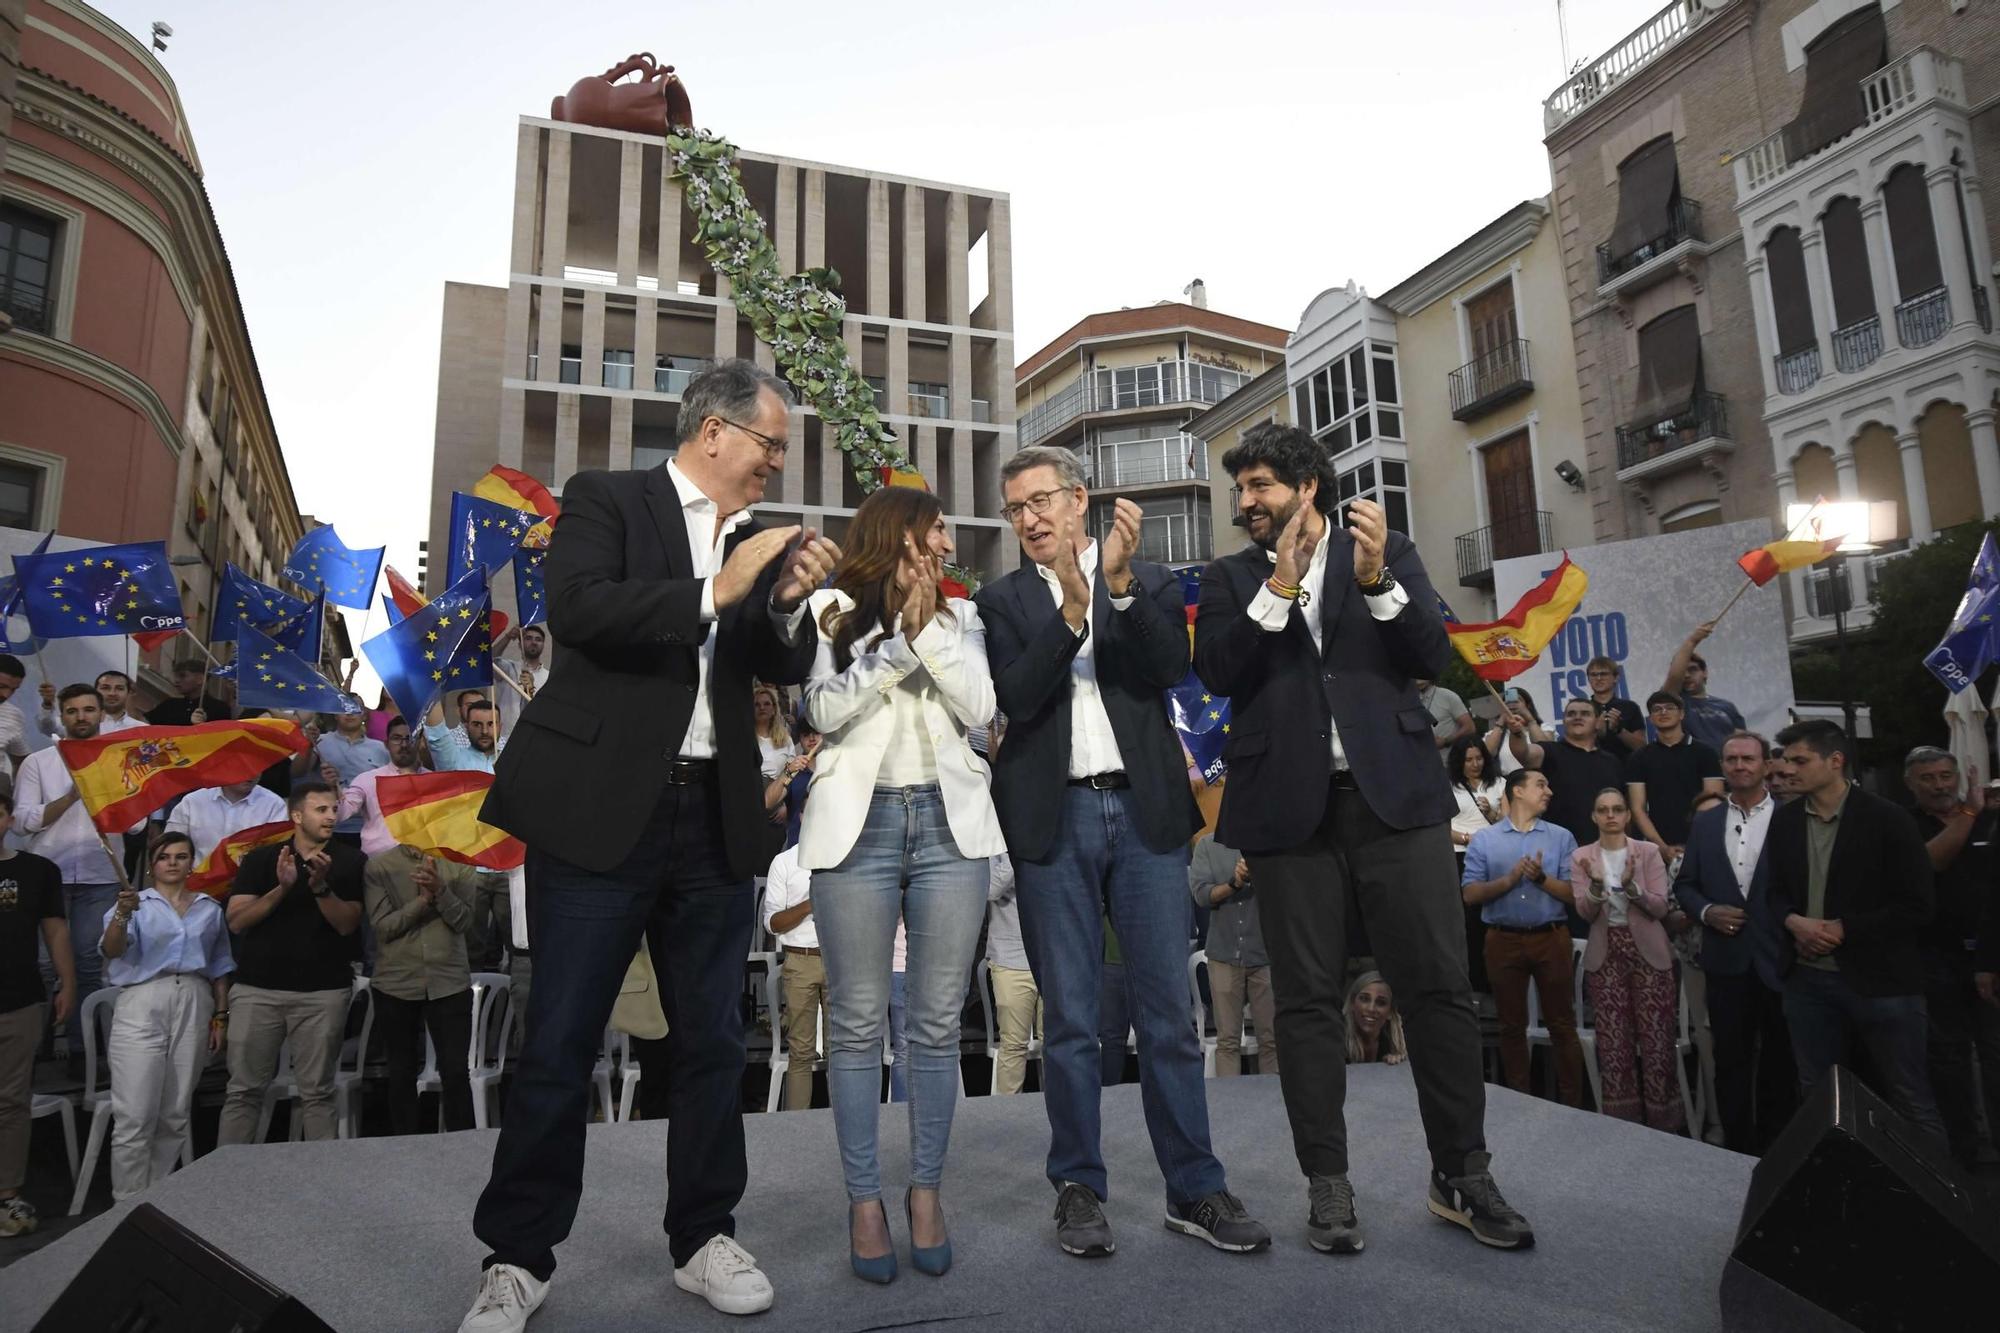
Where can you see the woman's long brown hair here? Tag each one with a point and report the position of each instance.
(874, 550)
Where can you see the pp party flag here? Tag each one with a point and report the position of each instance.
(445, 644)
(217, 870)
(530, 591)
(403, 599)
(269, 676)
(518, 490)
(100, 590)
(1972, 640)
(321, 560)
(439, 813)
(1504, 648)
(244, 600)
(123, 777)
(1782, 557)
(484, 535)
(1202, 721)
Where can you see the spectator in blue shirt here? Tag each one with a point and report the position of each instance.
(1514, 873)
(349, 752)
(1710, 720)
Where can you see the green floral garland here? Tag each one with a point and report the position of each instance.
(798, 316)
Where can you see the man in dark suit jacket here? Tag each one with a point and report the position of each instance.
(1850, 885)
(633, 779)
(1318, 637)
(1722, 884)
(1092, 793)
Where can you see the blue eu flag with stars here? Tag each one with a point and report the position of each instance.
(484, 534)
(1200, 718)
(301, 633)
(246, 601)
(268, 676)
(322, 560)
(100, 590)
(529, 593)
(1973, 639)
(445, 645)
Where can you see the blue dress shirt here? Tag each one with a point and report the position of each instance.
(1493, 852)
(158, 939)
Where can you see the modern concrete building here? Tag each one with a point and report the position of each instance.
(1492, 423)
(1780, 266)
(1118, 389)
(610, 307)
(133, 409)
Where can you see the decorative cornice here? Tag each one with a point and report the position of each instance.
(1512, 231)
(1642, 83)
(32, 163)
(74, 360)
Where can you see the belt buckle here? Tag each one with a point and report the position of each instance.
(1104, 781)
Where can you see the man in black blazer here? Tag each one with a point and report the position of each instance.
(1092, 793)
(633, 779)
(1318, 636)
(1850, 885)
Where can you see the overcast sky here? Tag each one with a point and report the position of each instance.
(361, 155)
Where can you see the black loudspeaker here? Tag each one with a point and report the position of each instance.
(1856, 1220)
(155, 1275)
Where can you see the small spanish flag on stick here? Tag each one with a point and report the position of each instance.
(439, 813)
(217, 870)
(1775, 558)
(123, 777)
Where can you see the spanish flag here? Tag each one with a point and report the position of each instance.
(903, 476)
(439, 813)
(518, 490)
(1504, 648)
(404, 600)
(1775, 558)
(123, 777)
(217, 870)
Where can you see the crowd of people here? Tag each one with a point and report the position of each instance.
(924, 781)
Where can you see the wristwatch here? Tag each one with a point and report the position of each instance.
(1384, 582)
(322, 890)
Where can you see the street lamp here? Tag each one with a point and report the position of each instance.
(1861, 525)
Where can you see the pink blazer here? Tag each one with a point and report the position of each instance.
(1645, 871)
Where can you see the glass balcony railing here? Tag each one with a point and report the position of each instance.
(1125, 387)
(667, 379)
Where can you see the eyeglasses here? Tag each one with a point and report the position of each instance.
(1037, 504)
(773, 448)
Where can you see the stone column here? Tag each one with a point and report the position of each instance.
(555, 206)
(1819, 287)
(957, 261)
(878, 249)
(1982, 241)
(548, 341)
(645, 342)
(1916, 495)
(1985, 457)
(1850, 489)
(896, 399)
(631, 157)
(1951, 245)
(1757, 271)
(669, 257)
(1000, 270)
(914, 276)
(620, 455)
(785, 226)
(814, 253)
(593, 336)
(569, 420)
(1881, 265)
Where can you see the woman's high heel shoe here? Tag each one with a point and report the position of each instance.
(881, 1270)
(934, 1260)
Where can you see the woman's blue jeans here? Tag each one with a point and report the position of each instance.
(904, 862)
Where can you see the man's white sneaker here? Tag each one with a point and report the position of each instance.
(507, 1296)
(726, 1275)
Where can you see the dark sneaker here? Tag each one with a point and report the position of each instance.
(1219, 1219)
(17, 1217)
(1332, 1227)
(1081, 1228)
(1473, 1201)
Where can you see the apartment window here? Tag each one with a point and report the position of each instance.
(1669, 367)
(1386, 482)
(21, 487)
(617, 368)
(27, 267)
(1791, 302)
(1136, 455)
(571, 370)
(929, 400)
(1649, 194)
(1355, 399)
(672, 373)
(1491, 322)
(1836, 63)
(1912, 233)
(1847, 263)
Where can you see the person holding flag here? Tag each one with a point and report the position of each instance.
(1318, 634)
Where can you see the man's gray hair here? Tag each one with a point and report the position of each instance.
(1069, 468)
(729, 389)
(1929, 754)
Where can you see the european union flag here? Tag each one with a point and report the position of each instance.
(267, 676)
(484, 534)
(322, 560)
(529, 593)
(446, 644)
(246, 601)
(1202, 721)
(303, 632)
(10, 606)
(1973, 640)
(100, 590)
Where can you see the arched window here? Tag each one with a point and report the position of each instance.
(1912, 233)
(1791, 310)
(1847, 263)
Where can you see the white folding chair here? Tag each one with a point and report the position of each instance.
(49, 1103)
(760, 938)
(347, 1077)
(491, 994)
(1586, 1032)
(600, 1073)
(98, 1007)
(989, 1006)
(1197, 961)
(1695, 1106)
(629, 1074)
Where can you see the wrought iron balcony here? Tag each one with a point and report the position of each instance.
(1484, 383)
(1982, 310)
(1524, 533)
(32, 313)
(1707, 418)
(1858, 346)
(1922, 320)
(1797, 371)
(1683, 225)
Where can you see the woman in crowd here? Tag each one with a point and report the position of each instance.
(1374, 1028)
(899, 824)
(775, 753)
(1628, 968)
(167, 948)
(785, 790)
(1520, 701)
(1477, 785)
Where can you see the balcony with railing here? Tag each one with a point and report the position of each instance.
(1858, 345)
(671, 379)
(1639, 48)
(1486, 382)
(1797, 371)
(1524, 533)
(1917, 80)
(1683, 228)
(1179, 458)
(28, 310)
(1923, 319)
(1123, 388)
(1677, 441)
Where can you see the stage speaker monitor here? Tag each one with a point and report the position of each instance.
(1856, 1220)
(153, 1274)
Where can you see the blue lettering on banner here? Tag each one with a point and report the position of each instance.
(1582, 638)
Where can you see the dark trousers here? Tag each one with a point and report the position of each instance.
(1828, 1017)
(1405, 884)
(1114, 1024)
(677, 890)
(1516, 959)
(1756, 1078)
(655, 1079)
(1962, 1023)
(402, 1024)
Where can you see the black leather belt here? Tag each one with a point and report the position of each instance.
(1343, 779)
(1532, 930)
(1103, 782)
(689, 772)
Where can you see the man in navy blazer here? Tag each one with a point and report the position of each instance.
(1722, 885)
(1318, 635)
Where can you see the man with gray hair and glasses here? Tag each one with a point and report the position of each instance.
(1958, 827)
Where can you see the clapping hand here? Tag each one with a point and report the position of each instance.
(1119, 544)
(317, 866)
(921, 572)
(805, 569)
(746, 564)
(1296, 542)
(1369, 526)
(288, 868)
(425, 877)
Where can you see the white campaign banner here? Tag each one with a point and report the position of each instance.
(1645, 595)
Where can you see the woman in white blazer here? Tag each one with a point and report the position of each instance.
(898, 823)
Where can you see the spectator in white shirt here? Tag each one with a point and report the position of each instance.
(113, 687)
(213, 813)
(530, 671)
(788, 916)
(13, 723)
(358, 796)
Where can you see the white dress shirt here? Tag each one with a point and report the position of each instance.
(1093, 748)
(72, 841)
(159, 940)
(1274, 612)
(13, 732)
(705, 543)
(786, 887)
(1743, 839)
(208, 816)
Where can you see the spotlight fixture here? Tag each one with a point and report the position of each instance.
(1570, 474)
(161, 31)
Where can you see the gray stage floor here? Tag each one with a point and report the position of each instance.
(1633, 1228)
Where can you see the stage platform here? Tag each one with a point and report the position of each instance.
(374, 1234)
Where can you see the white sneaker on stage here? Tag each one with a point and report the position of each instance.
(726, 1275)
(507, 1296)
